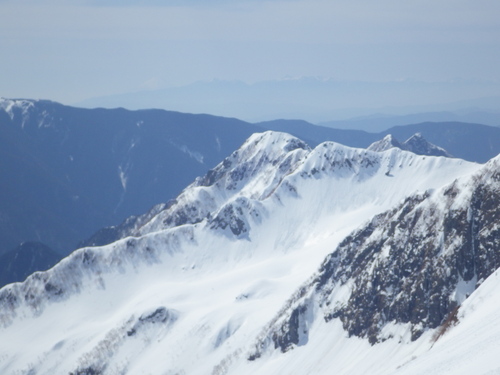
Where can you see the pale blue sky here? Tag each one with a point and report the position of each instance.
(71, 50)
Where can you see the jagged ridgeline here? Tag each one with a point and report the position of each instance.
(216, 276)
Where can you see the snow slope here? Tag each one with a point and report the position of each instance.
(191, 292)
(396, 282)
(472, 346)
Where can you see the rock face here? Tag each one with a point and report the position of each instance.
(420, 146)
(412, 265)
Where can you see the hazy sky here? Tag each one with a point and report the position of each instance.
(71, 50)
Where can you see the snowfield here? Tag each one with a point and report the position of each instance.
(193, 290)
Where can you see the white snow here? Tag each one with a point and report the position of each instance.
(192, 154)
(220, 290)
(9, 106)
(385, 144)
(122, 173)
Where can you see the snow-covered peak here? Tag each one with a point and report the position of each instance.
(416, 144)
(270, 163)
(386, 143)
(252, 171)
(260, 151)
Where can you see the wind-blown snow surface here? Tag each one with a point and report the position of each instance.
(193, 290)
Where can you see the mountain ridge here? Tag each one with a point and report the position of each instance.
(416, 144)
(319, 99)
(448, 253)
(473, 142)
(206, 287)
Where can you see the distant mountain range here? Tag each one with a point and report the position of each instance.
(319, 100)
(381, 122)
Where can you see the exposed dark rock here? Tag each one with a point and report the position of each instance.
(412, 265)
(158, 317)
(292, 331)
(420, 146)
(88, 371)
(230, 217)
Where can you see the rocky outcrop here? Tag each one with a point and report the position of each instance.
(420, 146)
(412, 265)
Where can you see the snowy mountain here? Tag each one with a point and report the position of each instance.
(405, 277)
(68, 172)
(385, 144)
(472, 345)
(468, 141)
(416, 144)
(232, 272)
